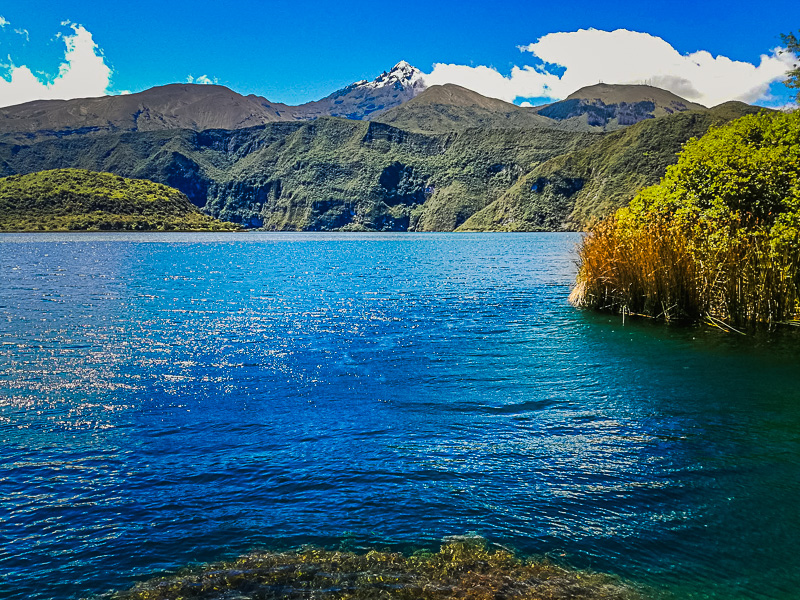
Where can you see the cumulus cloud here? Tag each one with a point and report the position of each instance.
(24, 33)
(524, 81)
(83, 74)
(572, 60)
(3, 21)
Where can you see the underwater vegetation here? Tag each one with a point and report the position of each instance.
(463, 568)
(717, 240)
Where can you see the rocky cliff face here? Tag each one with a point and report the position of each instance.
(575, 189)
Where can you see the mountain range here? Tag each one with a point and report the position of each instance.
(398, 97)
(199, 107)
(387, 154)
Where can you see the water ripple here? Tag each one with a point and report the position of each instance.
(173, 399)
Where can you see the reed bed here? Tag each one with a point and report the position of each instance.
(717, 240)
(732, 276)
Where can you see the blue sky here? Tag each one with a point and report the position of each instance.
(300, 51)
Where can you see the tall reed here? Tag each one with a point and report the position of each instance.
(733, 275)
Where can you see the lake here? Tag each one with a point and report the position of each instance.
(175, 399)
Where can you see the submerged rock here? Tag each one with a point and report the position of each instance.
(463, 568)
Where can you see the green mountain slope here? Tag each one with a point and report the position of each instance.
(573, 190)
(336, 174)
(187, 160)
(333, 173)
(326, 174)
(76, 199)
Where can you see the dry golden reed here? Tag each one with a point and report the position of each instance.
(663, 270)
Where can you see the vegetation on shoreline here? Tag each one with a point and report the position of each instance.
(461, 569)
(718, 239)
(80, 200)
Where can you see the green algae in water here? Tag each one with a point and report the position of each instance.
(460, 569)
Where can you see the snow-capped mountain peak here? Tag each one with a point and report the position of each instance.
(363, 98)
(401, 75)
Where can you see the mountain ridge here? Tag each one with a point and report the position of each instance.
(339, 174)
(612, 106)
(200, 106)
(399, 96)
(450, 107)
(447, 158)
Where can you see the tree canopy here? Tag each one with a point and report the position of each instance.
(76, 199)
(793, 46)
(747, 172)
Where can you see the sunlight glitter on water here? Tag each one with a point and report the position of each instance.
(188, 398)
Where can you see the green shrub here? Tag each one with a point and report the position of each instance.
(76, 199)
(717, 239)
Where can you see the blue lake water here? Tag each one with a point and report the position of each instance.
(175, 399)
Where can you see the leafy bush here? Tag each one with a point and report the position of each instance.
(717, 239)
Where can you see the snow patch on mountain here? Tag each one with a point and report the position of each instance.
(402, 74)
(363, 99)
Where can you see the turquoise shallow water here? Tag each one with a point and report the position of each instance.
(179, 398)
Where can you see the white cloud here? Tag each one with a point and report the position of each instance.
(83, 74)
(3, 21)
(203, 80)
(526, 81)
(24, 33)
(589, 56)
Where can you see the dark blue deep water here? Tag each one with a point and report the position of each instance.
(175, 399)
